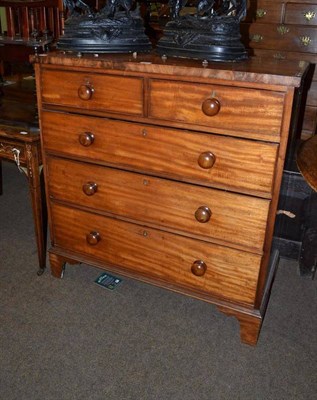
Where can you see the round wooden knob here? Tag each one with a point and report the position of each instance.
(85, 92)
(86, 138)
(199, 268)
(211, 107)
(206, 160)
(203, 214)
(93, 238)
(90, 188)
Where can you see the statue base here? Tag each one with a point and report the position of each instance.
(214, 39)
(100, 34)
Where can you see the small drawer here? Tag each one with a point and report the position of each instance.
(301, 14)
(251, 113)
(192, 210)
(264, 11)
(98, 92)
(179, 261)
(211, 160)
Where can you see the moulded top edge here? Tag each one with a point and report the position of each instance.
(255, 69)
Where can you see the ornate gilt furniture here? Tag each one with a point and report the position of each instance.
(168, 171)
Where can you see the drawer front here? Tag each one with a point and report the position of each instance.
(301, 14)
(289, 55)
(152, 253)
(97, 92)
(211, 160)
(264, 11)
(244, 112)
(281, 37)
(212, 214)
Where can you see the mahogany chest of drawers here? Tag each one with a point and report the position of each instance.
(167, 171)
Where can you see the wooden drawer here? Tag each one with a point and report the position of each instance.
(211, 214)
(152, 253)
(111, 93)
(289, 55)
(301, 14)
(242, 165)
(245, 112)
(280, 37)
(288, 12)
(264, 11)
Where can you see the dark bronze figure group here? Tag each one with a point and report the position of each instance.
(115, 28)
(213, 33)
(211, 8)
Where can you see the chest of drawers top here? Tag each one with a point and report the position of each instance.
(254, 71)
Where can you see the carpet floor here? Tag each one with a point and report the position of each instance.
(69, 339)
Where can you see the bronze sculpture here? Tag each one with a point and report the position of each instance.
(115, 28)
(213, 33)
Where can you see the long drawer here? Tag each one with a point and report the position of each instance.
(211, 160)
(213, 214)
(170, 258)
(98, 92)
(288, 12)
(281, 37)
(301, 14)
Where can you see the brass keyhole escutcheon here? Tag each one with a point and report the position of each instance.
(309, 15)
(305, 40)
(260, 13)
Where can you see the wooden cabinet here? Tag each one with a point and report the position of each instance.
(287, 29)
(168, 171)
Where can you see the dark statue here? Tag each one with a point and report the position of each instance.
(75, 7)
(113, 5)
(116, 28)
(213, 33)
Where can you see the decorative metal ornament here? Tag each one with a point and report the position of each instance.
(212, 34)
(113, 29)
